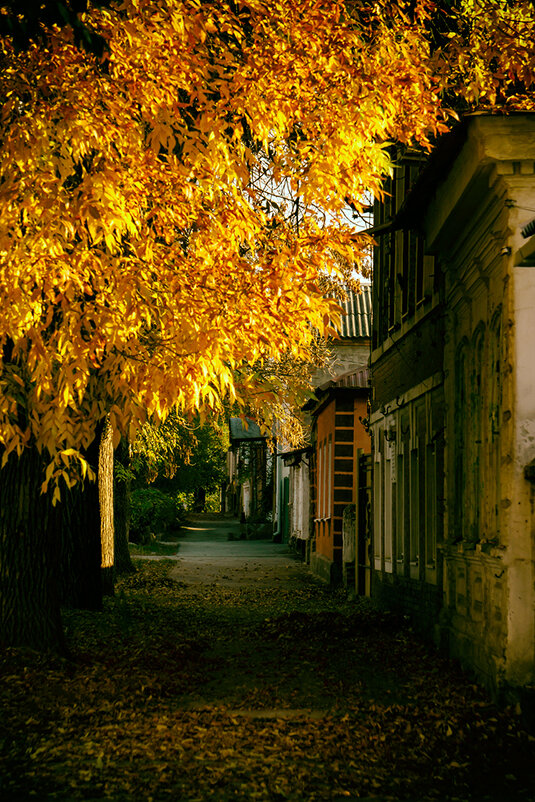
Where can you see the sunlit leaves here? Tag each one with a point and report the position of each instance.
(145, 262)
(487, 58)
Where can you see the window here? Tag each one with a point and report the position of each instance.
(329, 483)
(405, 431)
(377, 500)
(420, 284)
(415, 507)
(388, 495)
(435, 477)
(495, 403)
(461, 441)
(476, 435)
(400, 512)
(322, 479)
(404, 276)
(431, 505)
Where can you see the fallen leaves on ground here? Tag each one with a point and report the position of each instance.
(196, 692)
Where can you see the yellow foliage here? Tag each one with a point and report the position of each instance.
(141, 267)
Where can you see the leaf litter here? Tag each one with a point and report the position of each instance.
(193, 692)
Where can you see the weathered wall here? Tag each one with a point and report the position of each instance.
(405, 361)
(324, 482)
(485, 569)
(419, 600)
(473, 225)
(344, 356)
(521, 668)
(408, 508)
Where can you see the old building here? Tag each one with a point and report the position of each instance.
(454, 397)
(339, 435)
(295, 499)
(407, 409)
(347, 353)
(249, 491)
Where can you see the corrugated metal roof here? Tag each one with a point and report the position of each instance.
(238, 431)
(357, 320)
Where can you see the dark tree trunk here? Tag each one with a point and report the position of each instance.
(81, 580)
(199, 499)
(29, 549)
(121, 503)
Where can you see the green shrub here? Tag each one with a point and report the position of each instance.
(153, 513)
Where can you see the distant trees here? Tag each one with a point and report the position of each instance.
(178, 462)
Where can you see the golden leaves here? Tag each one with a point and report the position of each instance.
(142, 267)
(488, 56)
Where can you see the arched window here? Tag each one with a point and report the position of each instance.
(477, 429)
(461, 442)
(494, 417)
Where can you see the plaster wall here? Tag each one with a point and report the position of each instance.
(521, 558)
(473, 227)
(343, 357)
(300, 501)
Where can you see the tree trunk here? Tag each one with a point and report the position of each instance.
(29, 549)
(121, 500)
(81, 580)
(199, 499)
(105, 492)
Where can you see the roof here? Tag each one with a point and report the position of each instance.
(356, 322)
(358, 380)
(295, 457)
(436, 166)
(491, 148)
(238, 431)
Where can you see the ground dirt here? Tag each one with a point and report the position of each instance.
(226, 671)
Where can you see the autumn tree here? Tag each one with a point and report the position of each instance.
(142, 267)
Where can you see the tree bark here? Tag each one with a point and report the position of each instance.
(105, 492)
(121, 499)
(199, 499)
(81, 580)
(29, 549)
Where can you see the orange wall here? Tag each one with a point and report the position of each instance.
(330, 502)
(362, 438)
(324, 469)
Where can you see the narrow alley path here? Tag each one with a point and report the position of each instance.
(214, 550)
(228, 672)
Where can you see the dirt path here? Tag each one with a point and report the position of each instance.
(245, 679)
(212, 550)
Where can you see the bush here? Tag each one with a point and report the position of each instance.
(153, 513)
